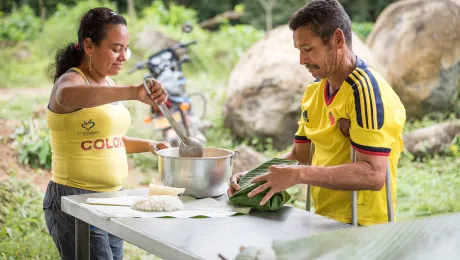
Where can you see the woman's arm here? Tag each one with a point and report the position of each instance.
(70, 93)
(137, 145)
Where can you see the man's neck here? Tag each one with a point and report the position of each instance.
(345, 67)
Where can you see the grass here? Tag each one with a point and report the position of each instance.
(428, 188)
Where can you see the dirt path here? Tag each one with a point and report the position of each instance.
(8, 93)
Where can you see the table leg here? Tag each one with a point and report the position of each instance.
(81, 240)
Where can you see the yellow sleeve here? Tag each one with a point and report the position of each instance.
(372, 130)
(300, 135)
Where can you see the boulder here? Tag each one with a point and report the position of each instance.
(152, 40)
(417, 42)
(247, 159)
(266, 86)
(434, 139)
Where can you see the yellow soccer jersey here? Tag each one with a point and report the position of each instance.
(377, 118)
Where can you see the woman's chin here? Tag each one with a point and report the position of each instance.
(114, 72)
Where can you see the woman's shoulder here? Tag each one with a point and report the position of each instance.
(71, 77)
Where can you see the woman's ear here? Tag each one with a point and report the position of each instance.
(89, 46)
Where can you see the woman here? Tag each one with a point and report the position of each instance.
(87, 126)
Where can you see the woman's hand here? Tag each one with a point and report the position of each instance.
(158, 95)
(158, 145)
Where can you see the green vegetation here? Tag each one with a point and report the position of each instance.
(23, 232)
(425, 187)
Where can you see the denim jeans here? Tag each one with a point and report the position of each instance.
(61, 227)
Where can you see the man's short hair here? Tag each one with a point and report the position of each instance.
(324, 17)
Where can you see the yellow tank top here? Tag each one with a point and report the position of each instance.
(87, 146)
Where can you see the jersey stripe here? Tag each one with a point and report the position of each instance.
(370, 149)
(357, 101)
(368, 101)
(377, 98)
(301, 139)
(362, 106)
(359, 74)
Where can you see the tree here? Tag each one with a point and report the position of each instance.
(268, 6)
(131, 10)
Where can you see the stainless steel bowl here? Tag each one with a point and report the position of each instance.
(208, 176)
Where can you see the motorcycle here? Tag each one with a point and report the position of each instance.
(166, 67)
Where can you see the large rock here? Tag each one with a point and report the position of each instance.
(417, 42)
(266, 86)
(152, 40)
(247, 159)
(432, 139)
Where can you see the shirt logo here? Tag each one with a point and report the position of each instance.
(331, 117)
(305, 116)
(87, 126)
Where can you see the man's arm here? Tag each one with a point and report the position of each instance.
(300, 152)
(368, 173)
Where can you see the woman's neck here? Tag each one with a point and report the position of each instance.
(93, 75)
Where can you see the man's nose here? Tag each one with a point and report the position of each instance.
(304, 58)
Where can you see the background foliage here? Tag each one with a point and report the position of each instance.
(425, 187)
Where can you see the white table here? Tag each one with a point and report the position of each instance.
(195, 238)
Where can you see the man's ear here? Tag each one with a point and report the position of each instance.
(88, 46)
(339, 39)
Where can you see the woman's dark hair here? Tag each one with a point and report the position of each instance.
(324, 17)
(92, 25)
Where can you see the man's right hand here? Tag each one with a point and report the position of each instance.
(234, 187)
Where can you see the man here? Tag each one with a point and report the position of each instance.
(348, 90)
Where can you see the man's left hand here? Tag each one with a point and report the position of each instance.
(278, 178)
(158, 145)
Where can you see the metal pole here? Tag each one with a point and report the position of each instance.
(354, 195)
(308, 200)
(389, 195)
(82, 237)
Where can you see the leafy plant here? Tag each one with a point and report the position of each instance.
(20, 25)
(362, 29)
(23, 232)
(33, 143)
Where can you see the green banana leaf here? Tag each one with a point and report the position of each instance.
(274, 203)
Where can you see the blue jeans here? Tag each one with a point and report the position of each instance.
(61, 227)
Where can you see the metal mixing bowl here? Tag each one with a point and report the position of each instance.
(208, 176)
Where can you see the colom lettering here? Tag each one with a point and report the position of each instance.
(100, 144)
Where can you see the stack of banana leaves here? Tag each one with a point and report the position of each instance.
(436, 237)
(275, 203)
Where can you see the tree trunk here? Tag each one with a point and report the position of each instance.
(131, 10)
(431, 140)
(269, 20)
(42, 6)
(268, 6)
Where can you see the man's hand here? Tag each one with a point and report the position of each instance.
(344, 126)
(158, 145)
(234, 183)
(279, 178)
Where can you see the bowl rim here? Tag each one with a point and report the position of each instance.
(230, 155)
